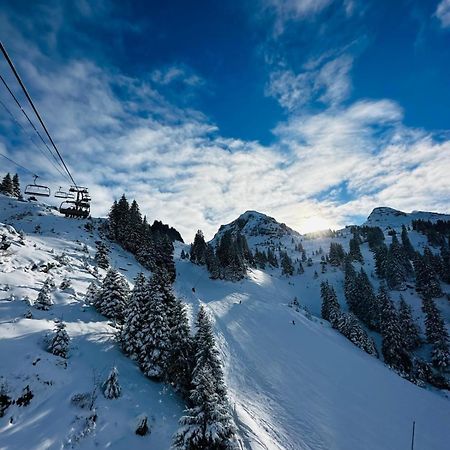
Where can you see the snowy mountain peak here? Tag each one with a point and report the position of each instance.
(386, 217)
(253, 224)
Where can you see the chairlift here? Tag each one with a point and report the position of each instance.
(79, 208)
(37, 189)
(63, 194)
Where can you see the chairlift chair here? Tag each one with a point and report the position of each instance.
(63, 194)
(35, 189)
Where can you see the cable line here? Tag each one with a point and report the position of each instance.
(5, 54)
(29, 120)
(19, 165)
(58, 168)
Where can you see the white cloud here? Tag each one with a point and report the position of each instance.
(328, 82)
(443, 13)
(119, 134)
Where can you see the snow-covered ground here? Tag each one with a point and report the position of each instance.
(301, 386)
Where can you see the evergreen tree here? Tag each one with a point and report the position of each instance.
(427, 282)
(375, 237)
(92, 293)
(59, 345)
(336, 255)
(407, 246)
(330, 304)
(355, 252)
(408, 326)
(286, 264)
(156, 331)
(436, 333)
(113, 296)
(101, 256)
(131, 335)
(381, 254)
(198, 249)
(212, 262)
(349, 326)
(111, 387)
(6, 187)
(16, 186)
(272, 258)
(398, 266)
(393, 348)
(231, 260)
(44, 300)
(207, 424)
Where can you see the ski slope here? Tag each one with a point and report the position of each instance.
(301, 386)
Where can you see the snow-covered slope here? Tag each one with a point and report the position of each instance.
(385, 217)
(301, 386)
(51, 420)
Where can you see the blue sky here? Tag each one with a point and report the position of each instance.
(313, 111)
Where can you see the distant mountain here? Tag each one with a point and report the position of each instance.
(258, 229)
(385, 217)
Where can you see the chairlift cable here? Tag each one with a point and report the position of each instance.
(29, 120)
(11, 65)
(58, 168)
(19, 165)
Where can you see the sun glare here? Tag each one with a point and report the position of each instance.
(314, 223)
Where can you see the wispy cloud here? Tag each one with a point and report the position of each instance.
(443, 13)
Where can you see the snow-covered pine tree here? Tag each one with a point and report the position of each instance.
(207, 424)
(92, 293)
(59, 344)
(393, 345)
(398, 266)
(111, 387)
(355, 252)
(44, 300)
(287, 267)
(101, 256)
(212, 263)
(179, 364)
(436, 333)
(16, 186)
(113, 296)
(156, 331)
(198, 249)
(330, 303)
(337, 254)
(131, 335)
(407, 246)
(409, 327)
(349, 325)
(427, 281)
(380, 254)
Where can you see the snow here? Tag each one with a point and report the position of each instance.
(301, 386)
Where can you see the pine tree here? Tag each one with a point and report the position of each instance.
(272, 258)
(131, 335)
(330, 303)
(381, 254)
(445, 257)
(355, 252)
(111, 387)
(113, 296)
(336, 254)
(398, 266)
(59, 345)
(156, 331)
(393, 348)
(44, 300)
(427, 281)
(436, 333)
(408, 326)
(6, 187)
(348, 324)
(16, 186)
(212, 263)
(198, 249)
(207, 424)
(101, 256)
(92, 293)
(407, 246)
(286, 264)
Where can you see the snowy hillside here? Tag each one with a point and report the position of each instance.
(384, 217)
(293, 381)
